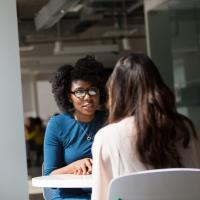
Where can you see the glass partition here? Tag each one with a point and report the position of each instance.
(184, 18)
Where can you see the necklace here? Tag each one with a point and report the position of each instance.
(88, 137)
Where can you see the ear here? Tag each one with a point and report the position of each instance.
(69, 98)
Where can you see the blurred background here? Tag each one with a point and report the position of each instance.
(56, 32)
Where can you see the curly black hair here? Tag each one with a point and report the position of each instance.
(87, 69)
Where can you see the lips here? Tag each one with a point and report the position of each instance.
(88, 105)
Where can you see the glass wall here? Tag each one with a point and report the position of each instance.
(184, 18)
(173, 41)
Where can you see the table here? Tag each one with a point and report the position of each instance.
(63, 181)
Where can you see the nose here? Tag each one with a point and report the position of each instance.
(87, 96)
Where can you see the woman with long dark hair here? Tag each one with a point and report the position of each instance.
(144, 129)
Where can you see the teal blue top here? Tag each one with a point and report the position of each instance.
(65, 142)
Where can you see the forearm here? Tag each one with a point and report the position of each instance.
(69, 169)
(79, 167)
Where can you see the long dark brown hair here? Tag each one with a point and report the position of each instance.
(137, 89)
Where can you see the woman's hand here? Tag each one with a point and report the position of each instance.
(83, 166)
(79, 167)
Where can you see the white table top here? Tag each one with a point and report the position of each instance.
(63, 181)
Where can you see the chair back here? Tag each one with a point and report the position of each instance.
(164, 184)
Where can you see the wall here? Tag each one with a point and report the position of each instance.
(29, 96)
(37, 97)
(13, 172)
(46, 103)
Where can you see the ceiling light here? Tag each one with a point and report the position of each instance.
(126, 44)
(27, 48)
(57, 47)
(100, 48)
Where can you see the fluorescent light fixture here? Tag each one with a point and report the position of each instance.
(27, 48)
(126, 44)
(100, 48)
(57, 47)
(120, 33)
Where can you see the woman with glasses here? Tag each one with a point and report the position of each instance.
(145, 131)
(79, 92)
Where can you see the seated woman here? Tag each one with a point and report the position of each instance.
(79, 92)
(145, 131)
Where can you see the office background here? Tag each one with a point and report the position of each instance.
(51, 34)
(168, 30)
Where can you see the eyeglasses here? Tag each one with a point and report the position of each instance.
(80, 93)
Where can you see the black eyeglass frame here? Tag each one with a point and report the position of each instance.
(86, 91)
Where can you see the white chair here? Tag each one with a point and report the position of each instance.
(164, 184)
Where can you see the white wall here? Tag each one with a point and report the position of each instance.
(29, 99)
(37, 98)
(46, 103)
(13, 171)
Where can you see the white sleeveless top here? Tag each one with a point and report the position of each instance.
(114, 154)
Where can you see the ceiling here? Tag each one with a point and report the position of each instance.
(55, 32)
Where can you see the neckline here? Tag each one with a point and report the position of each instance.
(84, 123)
(73, 118)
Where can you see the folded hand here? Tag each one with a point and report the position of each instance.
(83, 166)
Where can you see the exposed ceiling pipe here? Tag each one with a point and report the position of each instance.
(135, 6)
(53, 11)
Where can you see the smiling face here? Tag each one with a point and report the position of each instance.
(85, 106)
